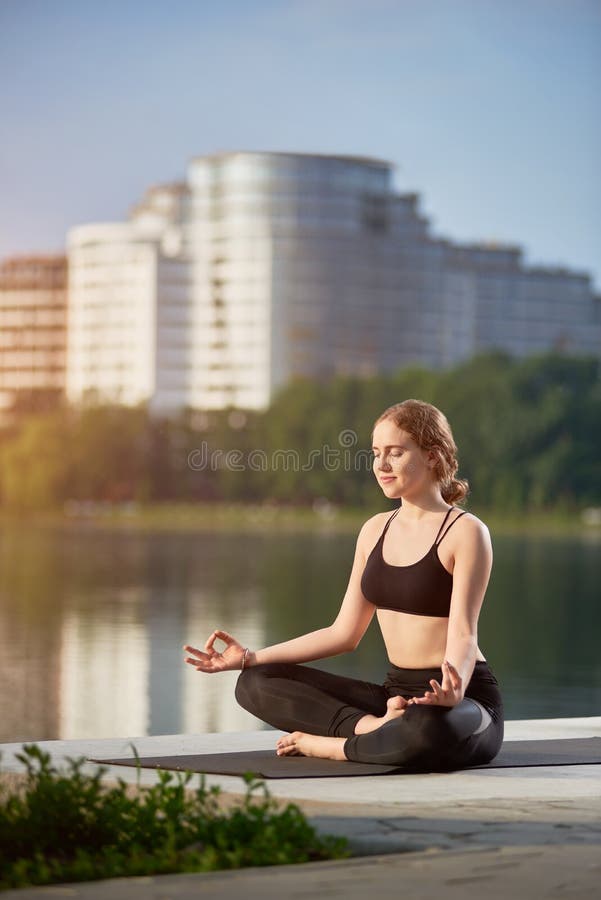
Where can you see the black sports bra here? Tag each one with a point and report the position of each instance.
(423, 588)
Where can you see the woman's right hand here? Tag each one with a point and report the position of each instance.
(211, 660)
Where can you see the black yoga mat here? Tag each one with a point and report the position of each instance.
(559, 752)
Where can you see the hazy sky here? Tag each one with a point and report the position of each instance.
(490, 109)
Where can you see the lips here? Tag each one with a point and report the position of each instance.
(386, 480)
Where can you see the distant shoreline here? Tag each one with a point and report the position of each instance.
(324, 517)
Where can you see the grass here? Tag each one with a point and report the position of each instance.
(60, 826)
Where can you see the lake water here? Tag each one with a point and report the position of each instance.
(92, 623)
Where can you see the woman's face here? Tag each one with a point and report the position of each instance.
(400, 466)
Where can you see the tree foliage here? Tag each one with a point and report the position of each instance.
(528, 433)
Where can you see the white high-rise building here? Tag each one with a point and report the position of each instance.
(129, 308)
(265, 266)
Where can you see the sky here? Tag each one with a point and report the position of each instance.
(489, 109)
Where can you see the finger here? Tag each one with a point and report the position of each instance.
(446, 677)
(437, 688)
(427, 697)
(195, 660)
(219, 635)
(211, 641)
(286, 746)
(190, 649)
(204, 663)
(196, 654)
(454, 676)
(396, 703)
(209, 667)
(227, 639)
(449, 677)
(208, 663)
(288, 751)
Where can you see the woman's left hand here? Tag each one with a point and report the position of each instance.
(449, 693)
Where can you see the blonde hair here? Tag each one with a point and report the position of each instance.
(430, 430)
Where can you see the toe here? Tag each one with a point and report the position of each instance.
(397, 703)
(287, 743)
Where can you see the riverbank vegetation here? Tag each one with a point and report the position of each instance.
(528, 430)
(70, 826)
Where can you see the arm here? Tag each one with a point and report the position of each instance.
(471, 573)
(341, 636)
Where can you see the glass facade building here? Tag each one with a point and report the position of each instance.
(265, 266)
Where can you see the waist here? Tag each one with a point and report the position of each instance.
(408, 680)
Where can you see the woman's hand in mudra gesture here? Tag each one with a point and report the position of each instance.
(212, 660)
(449, 693)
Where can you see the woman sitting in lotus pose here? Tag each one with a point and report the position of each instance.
(425, 570)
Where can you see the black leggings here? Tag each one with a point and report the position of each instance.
(426, 738)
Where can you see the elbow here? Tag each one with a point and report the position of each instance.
(351, 645)
(353, 640)
(346, 642)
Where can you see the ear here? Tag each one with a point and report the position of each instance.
(432, 459)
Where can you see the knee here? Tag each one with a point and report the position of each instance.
(430, 721)
(426, 737)
(249, 686)
(245, 687)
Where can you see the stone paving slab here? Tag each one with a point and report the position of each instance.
(539, 873)
(470, 826)
(532, 832)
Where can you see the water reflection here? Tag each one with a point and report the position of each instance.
(104, 669)
(92, 624)
(208, 700)
(542, 621)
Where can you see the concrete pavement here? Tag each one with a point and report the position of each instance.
(532, 872)
(532, 831)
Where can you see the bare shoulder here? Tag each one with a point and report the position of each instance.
(471, 530)
(375, 522)
(371, 530)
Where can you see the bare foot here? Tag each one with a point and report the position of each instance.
(396, 707)
(300, 744)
